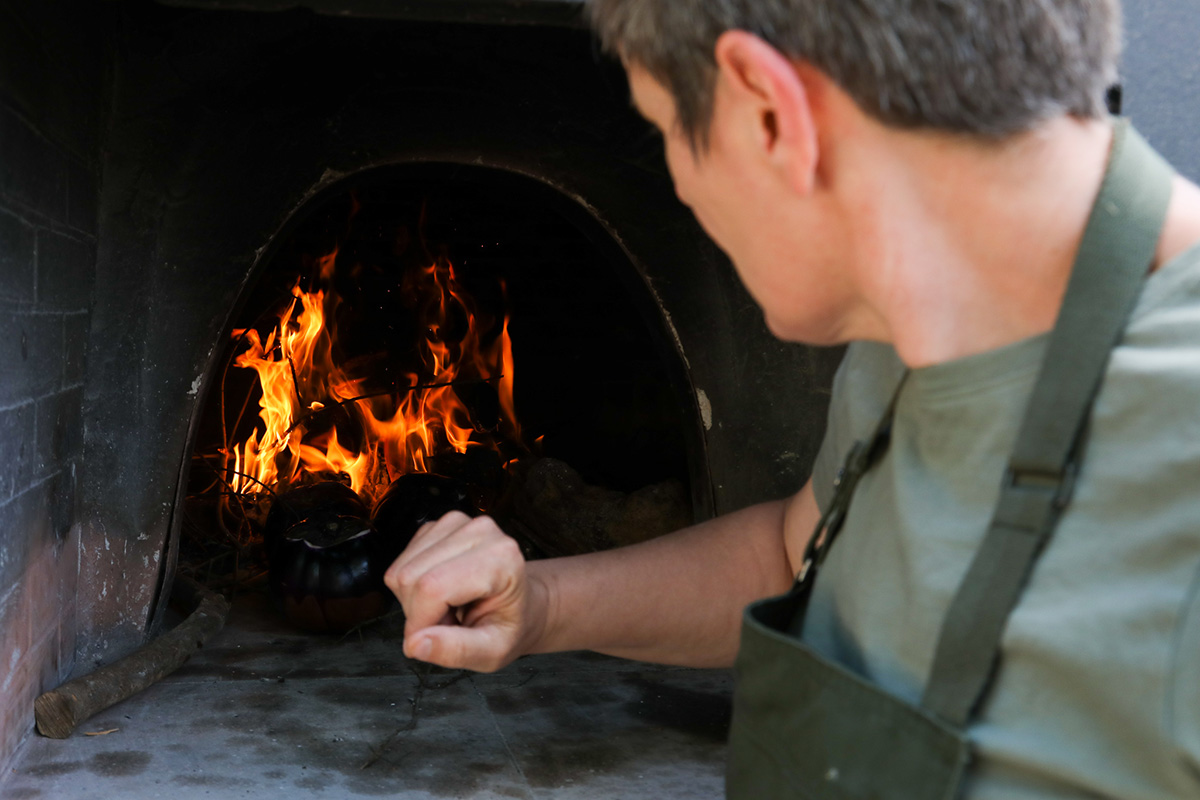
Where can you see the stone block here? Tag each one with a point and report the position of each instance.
(37, 630)
(76, 328)
(25, 529)
(17, 448)
(31, 355)
(52, 67)
(83, 202)
(16, 683)
(43, 584)
(33, 172)
(59, 429)
(66, 272)
(17, 268)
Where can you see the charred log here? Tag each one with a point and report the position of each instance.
(59, 712)
(563, 515)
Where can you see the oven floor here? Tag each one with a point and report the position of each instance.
(268, 713)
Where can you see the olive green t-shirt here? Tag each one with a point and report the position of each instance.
(1098, 692)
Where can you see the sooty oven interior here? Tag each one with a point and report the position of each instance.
(196, 170)
(502, 263)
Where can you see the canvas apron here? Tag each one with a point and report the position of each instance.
(805, 727)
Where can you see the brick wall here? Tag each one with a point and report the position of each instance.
(50, 101)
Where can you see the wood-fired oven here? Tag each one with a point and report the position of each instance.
(163, 167)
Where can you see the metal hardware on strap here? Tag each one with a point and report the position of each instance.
(1030, 501)
(859, 460)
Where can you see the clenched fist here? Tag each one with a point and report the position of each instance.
(468, 601)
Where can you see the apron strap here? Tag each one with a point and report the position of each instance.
(1118, 249)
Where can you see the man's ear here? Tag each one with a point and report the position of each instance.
(764, 89)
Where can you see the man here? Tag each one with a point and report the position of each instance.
(916, 177)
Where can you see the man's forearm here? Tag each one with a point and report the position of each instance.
(674, 600)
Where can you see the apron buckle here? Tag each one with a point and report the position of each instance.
(1060, 485)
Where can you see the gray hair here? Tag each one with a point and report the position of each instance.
(990, 68)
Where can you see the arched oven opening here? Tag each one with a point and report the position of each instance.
(428, 330)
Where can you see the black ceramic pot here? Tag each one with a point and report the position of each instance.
(326, 561)
(323, 501)
(411, 501)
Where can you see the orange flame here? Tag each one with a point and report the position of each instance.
(294, 442)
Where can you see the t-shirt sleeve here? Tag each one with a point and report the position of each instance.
(862, 388)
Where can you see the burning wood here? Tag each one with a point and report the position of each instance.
(317, 419)
(345, 444)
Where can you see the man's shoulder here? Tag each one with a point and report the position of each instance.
(1171, 297)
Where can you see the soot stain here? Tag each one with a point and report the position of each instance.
(442, 769)
(568, 733)
(361, 696)
(312, 783)
(551, 763)
(532, 698)
(54, 768)
(699, 714)
(243, 740)
(262, 701)
(274, 774)
(292, 646)
(205, 780)
(377, 750)
(120, 764)
(22, 793)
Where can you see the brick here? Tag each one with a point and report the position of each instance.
(76, 328)
(24, 529)
(59, 429)
(17, 449)
(16, 684)
(17, 275)
(66, 272)
(83, 202)
(31, 355)
(53, 67)
(36, 617)
(33, 172)
(44, 587)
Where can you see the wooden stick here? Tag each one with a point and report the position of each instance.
(59, 712)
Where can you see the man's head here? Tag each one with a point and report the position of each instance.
(800, 132)
(986, 67)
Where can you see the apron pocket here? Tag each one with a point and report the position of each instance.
(829, 733)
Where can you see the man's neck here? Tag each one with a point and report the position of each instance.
(969, 246)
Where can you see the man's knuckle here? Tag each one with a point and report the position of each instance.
(428, 584)
(403, 578)
(509, 549)
(482, 525)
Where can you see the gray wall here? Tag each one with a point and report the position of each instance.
(1162, 77)
(50, 108)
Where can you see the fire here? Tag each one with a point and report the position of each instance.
(306, 396)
